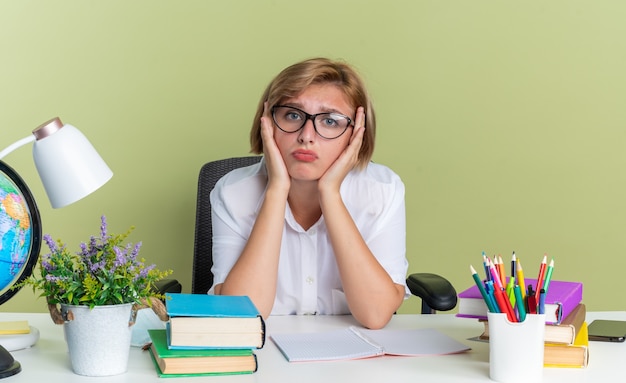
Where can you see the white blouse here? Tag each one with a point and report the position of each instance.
(308, 277)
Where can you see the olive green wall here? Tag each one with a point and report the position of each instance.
(505, 119)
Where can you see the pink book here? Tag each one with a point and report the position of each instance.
(561, 299)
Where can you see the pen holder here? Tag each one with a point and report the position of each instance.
(516, 349)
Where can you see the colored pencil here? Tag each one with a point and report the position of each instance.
(481, 288)
(546, 282)
(520, 278)
(542, 273)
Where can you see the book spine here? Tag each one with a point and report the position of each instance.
(570, 302)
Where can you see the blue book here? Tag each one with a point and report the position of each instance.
(213, 321)
(208, 305)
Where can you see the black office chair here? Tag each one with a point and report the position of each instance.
(436, 292)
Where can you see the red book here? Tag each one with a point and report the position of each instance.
(561, 299)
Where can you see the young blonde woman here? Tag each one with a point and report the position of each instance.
(315, 227)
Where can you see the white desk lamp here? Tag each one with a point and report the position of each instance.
(70, 169)
(68, 165)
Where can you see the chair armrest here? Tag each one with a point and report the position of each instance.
(167, 286)
(434, 290)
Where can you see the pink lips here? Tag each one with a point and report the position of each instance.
(304, 155)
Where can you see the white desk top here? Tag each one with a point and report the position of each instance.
(48, 360)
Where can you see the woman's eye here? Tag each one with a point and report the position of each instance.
(294, 116)
(330, 122)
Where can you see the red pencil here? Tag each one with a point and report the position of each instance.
(504, 304)
(542, 273)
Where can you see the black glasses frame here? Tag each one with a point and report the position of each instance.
(311, 117)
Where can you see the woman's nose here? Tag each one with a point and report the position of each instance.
(307, 133)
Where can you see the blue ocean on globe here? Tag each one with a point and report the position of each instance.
(15, 232)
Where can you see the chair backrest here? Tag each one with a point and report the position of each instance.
(210, 173)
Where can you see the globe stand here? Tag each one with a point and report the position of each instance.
(8, 365)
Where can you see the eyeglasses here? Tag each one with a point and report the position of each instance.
(327, 125)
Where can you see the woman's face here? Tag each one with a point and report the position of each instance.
(307, 155)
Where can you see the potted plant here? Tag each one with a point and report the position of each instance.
(94, 293)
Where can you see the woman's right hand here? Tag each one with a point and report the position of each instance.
(277, 173)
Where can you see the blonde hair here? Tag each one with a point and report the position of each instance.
(297, 77)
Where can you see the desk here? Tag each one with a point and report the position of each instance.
(48, 360)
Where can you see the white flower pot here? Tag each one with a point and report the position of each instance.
(98, 339)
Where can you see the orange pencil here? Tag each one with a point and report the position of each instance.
(502, 270)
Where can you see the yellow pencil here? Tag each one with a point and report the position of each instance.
(520, 278)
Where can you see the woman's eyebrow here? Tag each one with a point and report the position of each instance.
(323, 108)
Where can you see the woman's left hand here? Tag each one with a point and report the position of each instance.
(335, 175)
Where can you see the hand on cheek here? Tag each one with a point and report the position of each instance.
(348, 159)
(276, 169)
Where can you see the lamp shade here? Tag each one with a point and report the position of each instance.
(70, 168)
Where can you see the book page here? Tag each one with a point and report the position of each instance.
(329, 345)
(353, 343)
(414, 342)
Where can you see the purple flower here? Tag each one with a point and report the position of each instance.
(133, 254)
(120, 257)
(143, 273)
(50, 242)
(103, 228)
(46, 264)
(53, 278)
(95, 267)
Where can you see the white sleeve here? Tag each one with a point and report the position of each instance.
(388, 241)
(235, 201)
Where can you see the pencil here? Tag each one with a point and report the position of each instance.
(495, 276)
(541, 306)
(486, 266)
(521, 310)
(546, 282)
(513, 261)
(542, 273)
(502, 271)
(505, 304)
(481, 288)
(520, 278)
(490, 288)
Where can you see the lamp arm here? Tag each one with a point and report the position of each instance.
(16, 145)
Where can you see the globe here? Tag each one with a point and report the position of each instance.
(20, 232)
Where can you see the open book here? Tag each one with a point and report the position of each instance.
(355, 343)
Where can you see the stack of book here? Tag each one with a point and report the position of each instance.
(566, 336)
(207, 335)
